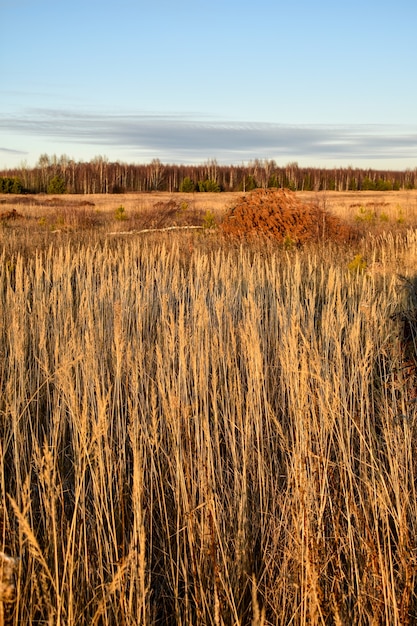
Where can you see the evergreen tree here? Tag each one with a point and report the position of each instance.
(10, 184)
(187, 185)
(208, 185)
(57, 185)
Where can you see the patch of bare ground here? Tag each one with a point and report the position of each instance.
(280, 215)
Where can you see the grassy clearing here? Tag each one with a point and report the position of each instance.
(200, 434)
(344, 204)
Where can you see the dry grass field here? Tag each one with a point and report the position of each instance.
(338, 201)
(376, 211)
(200, 431)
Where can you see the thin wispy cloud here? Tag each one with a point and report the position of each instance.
(11, 152)
(190, 139)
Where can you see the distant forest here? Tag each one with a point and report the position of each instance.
(57, 175)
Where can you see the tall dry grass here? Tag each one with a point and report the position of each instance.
(220, 437)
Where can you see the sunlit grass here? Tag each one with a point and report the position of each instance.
(195, 434)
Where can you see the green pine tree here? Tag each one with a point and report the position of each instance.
(57, 185)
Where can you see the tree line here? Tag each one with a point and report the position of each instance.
(57, 175)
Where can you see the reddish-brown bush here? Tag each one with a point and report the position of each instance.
(10, 215)
(278, 214)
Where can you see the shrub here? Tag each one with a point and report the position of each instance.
(400, 218)
(278, 214)
(209, 220)
(358, 264)
(365, 215)
(120, 213)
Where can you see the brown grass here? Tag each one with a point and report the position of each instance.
(375, 211)
(193, 432)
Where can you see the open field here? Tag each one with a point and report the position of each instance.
(105, 205)
(42, 219)
(395, 204)
(200, 432)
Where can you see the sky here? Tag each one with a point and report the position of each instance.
(318, 82)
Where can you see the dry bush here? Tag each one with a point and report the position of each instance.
(10, 215)
(278, 214)
(166, 213)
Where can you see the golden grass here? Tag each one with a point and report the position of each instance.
(200, 434)
(106, 204)
(334, 200)
(44, 215)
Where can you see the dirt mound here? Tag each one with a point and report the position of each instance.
(278, 214)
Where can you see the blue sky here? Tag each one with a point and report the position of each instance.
(318, 82)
